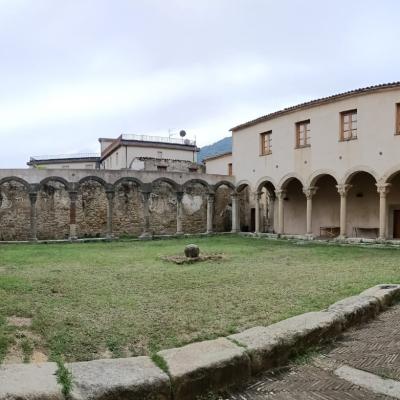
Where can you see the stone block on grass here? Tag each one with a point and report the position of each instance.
(199, 368)
(385, 293)
(124, 378)
(271, 346)
(29, 382)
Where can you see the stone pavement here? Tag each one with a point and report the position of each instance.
(373, 347)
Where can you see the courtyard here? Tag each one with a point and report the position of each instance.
(113, 299)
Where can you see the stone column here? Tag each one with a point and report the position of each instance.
(280, 194)
(72, 215)
(110, 207)
(179, 213)
(383, 190)
(258, 213)
(343, 190)
(309, 192)
(210, 212)
(146, 234)
(32, 199)
(235, 213)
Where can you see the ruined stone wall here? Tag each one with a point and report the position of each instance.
(14, 212)
(91, 210)
(162, 209)
(194, 204)
(223, 210)
(128, 214)
(52, 207)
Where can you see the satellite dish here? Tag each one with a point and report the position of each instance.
(182, 133)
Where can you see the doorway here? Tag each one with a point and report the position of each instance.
(396, 224)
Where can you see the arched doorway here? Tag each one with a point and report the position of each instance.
(267, 209)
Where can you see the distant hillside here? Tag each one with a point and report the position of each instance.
(222, 146)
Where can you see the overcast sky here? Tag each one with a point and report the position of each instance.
(72, 71)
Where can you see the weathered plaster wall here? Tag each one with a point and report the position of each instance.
(195, 209)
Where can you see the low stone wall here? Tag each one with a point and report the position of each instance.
(198, 368)
(35, 205)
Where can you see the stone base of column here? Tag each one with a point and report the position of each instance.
(381, 239)
(179, 233)
(72, 232)
(146, 236)
(341, 238)
(235, 230)
(310, 236)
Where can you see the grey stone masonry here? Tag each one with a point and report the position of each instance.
(124, 378)
(201, 367)
(29, 382)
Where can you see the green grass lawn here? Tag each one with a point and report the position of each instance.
(117, 299)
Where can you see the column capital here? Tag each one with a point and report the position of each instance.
(211, 197)
(145, 194)
(310, 191)
(257, 195)
(179, 196)
(73, 195)
(234, 195)
(343, 189)
(383, 188)
(33, 197)
(280, 193)
(110, 194)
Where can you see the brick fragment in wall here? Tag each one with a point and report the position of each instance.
(14, 212)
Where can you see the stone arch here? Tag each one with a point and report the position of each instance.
(242, 184)
(194, 205)
(267, 204)
(63, 181)
(362, 203)
(263, 181)
(169, 181)
(53, 209)
(23, 182)
(126, 179)
(92, 178)
(91, 207)
(390, 174)
(353, 171)
(163, 206)
(197, 181)
(294, 205)
(228, 184)
(128, 210)
(315, 176)
(288, 178)
(15, 209)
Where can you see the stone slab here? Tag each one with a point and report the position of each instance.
(271, 346)
(201, 367)
(356, 309)
(385, 293)
(29, 382)
(124, 378)
(366, 380)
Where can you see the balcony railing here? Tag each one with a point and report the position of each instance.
(64, 156)
(158, 139)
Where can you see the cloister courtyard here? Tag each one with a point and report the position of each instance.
(86, 301)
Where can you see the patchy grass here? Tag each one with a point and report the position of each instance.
(121, 297)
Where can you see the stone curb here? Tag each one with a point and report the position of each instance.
(197, 368)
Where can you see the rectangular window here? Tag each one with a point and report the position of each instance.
(265, 143)
(303, 134)
(398, 119)
(159, 154)
(230, 172)
(348, 130)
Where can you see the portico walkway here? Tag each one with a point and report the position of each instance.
(363, 363)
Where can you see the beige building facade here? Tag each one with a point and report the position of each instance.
(220, 164)
(329, 167)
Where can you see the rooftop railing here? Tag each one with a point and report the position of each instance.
(159, 139)
(64, 156)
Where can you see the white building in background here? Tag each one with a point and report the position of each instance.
(131, 152)
(219, 164)
(141, 152)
